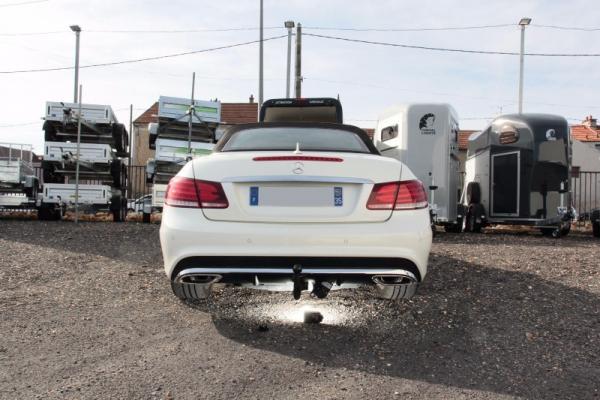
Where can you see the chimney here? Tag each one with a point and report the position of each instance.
(251, 99)
(590, 122)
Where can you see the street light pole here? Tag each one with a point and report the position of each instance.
(260, 61)
(289, 25)
(523, 23)
(77, 30)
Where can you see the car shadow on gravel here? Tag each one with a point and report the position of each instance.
(519, 239)
(470, 327)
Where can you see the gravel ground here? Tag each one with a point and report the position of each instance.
(88, 313)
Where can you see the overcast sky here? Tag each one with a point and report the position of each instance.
(367, 78)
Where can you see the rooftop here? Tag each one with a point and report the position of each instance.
(231, 113)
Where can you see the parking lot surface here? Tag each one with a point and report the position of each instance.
(87, 312)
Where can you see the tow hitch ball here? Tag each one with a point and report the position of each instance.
(300, 283)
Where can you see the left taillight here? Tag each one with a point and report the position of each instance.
(404, 195)
(193, 193)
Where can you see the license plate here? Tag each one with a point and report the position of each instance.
(296, 196)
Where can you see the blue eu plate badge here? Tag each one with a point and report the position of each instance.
(253, 195)
(338, 197)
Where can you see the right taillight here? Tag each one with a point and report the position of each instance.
(192, 193)
(404, 195)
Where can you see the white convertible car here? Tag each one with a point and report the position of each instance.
(295, 206)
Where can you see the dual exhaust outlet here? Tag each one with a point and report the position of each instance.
(194, 283)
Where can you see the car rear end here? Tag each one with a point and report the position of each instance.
(278, 218)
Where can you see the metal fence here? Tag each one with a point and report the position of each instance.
(136, 183)
(585, 192)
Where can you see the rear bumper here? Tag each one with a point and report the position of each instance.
(190, 241)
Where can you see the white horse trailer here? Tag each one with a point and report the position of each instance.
(425, 138)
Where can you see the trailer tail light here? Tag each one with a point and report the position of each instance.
(192, 193)
(404, 195)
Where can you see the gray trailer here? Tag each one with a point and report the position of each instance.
(517, 172)
(18, 183)
(425, 138)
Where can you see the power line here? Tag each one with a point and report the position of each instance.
(149, 31)
(23, 3)
(566, 28)
(33, 33)
(184, 30)
(19, 124)
(452, 28)
(143, 59)
(407, 46)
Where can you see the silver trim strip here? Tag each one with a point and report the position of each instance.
(312, 271)
(294, 178)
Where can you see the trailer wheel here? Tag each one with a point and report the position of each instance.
(470, 219)
(595, 218)
(473, 193)
(49, 132)
(44, 214)
(116, 172)
(119, 135)
(48, 175)
(564, 231)
(146, 218)
(50, 213)
(118, 208)
(454, 228)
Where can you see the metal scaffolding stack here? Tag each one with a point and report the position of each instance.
(100, 166)
(185, 129)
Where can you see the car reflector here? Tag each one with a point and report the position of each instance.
(404, 195)
(192, 193)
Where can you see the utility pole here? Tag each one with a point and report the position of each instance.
(260, 61)
(289, 25)
(523, 23)
(129, 167)
(77, 157)
(299, 61)
(77, 30)
(191, 111)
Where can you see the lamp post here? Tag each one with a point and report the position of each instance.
(289, 25)
(77, 30)
(522, 23)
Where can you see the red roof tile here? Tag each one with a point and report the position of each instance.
(150, 115)
(231, 113)
(463, 139)
(585, 133)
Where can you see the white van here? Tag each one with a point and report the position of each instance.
(425, 138)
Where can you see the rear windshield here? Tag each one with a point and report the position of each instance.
(285, 138)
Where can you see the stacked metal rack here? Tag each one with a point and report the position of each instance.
(101, 170)
(18, 182)
(185, 129)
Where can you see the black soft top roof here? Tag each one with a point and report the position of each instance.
(317, 125)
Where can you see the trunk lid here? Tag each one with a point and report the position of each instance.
(312, 187)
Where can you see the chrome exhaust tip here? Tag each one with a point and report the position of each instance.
(194, 286)
(396, 286)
